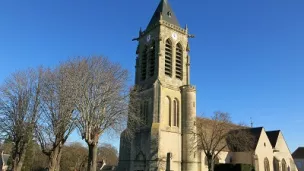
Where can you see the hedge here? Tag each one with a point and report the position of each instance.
(233, 167)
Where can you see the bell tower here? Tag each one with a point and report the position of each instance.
(163, 49)
(168, 101)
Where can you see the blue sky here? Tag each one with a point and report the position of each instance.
(247, 57)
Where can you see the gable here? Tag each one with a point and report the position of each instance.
(281, 144)
(263, 145)
(273, 137)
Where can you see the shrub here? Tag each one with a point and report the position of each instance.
(233, 167)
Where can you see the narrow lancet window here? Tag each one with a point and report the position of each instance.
(179, 62)
(176, 113)
(284, 166)
(266, 164)
(144, 64)
(152, 59)
(168, 58)
(168, 109)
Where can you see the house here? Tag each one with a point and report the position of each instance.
(298, 157)
(3, 162)
(102, 166)
(269, 153)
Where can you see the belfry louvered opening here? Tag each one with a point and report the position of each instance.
(152, 59)
(179, 62)
(168, 58)
(143, 67)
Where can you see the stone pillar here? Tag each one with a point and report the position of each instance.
(189, 143)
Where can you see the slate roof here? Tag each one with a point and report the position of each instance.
(273, 137)
(165, 11)
(299, 153)
(254, 132)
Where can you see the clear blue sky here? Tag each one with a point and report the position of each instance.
(247, 57)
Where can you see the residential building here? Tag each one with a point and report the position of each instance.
(298, 157)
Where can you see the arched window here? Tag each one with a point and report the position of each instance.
(276, 166)
(168, 58)
(284, 166)
(266, 164)
(152, 59)
(144, 63)
(168, 108)
(179, 61)
(176, 113)
(140, 161)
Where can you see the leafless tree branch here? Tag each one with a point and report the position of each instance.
(20, 102)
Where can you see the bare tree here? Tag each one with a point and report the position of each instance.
(102, 100)
(108, 153)
(219, 133)
(74, 157)
(57, 120)
(19, 110)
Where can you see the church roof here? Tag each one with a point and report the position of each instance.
(255, 134)
(299, 153)
(165, 12)
(273, 137)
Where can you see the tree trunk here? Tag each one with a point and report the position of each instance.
(54, 159)
(92, 158)
(210, 164)
(19, 157)
(18, 162)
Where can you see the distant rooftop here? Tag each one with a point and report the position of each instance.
(299, 153)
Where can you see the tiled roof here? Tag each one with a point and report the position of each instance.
(273, 137)
(299, 153)
(254, 132)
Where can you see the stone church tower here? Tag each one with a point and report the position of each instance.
(168, 101)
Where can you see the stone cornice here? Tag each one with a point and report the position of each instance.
(168, 25)
(188, 88)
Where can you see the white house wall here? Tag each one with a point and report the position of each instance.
(224, 157)
(300, 164)
(284, 152)
(263, 150)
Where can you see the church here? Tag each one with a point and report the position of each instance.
(168, 108)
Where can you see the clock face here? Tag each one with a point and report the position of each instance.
(148, 38)
(174, 36)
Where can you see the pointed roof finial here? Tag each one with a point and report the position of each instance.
(164, 12)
